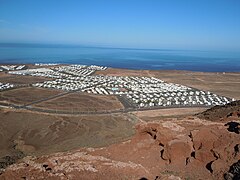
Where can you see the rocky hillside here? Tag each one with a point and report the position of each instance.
(221, 113)
(190, 148)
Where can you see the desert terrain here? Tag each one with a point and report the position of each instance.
(26, 95)
(171, 148)
(54, 134)
(76, 102)
(29, 133)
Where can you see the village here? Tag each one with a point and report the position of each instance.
(12, 67)
(5, 86)
(140, 92)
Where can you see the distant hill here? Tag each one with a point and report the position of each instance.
(221, 113)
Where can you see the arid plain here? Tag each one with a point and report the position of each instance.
(77, 120)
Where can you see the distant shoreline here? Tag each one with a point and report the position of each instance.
(124, 58)
(133, 69)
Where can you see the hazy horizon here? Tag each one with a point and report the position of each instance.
(194, 25)
(131, 58)
(72, 45)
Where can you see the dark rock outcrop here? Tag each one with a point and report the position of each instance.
(234, 172)
(227, 112)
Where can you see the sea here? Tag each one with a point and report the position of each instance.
(130, 58)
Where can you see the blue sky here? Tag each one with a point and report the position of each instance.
(183, 24)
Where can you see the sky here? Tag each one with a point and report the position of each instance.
(179, 24)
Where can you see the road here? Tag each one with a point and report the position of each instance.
(128, 106)
(59, 112)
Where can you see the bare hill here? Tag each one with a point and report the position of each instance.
(221, 113)
(186, 148)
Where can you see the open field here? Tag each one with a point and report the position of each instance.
(38, 133)
(20, 80)
(152, 115)
(81, 102)
(225, 84)
(123, 72)
(22, 96)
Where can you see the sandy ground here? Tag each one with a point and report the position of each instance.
(158, 114)
(26, 95)
(225, 84)
(19, 80)
(82, 102)
(123, 72)
(38, 133)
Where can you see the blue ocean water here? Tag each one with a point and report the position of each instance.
(154, 59)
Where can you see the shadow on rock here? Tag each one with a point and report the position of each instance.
(234, 172)
(233, 127)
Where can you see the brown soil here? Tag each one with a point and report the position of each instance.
(19, 80)
(174, 149)
(4, 74)
(122, 72)
(227, 84)
(26, 95)
(159, 114)
(79, 102)
(38, 133)
(223, 113)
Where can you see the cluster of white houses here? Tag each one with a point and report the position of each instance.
(5, 86)
(140, 91)
(46, 64)
(177, 98)
(12, 67)
(43, 72)
(64, 84)
(61, 71)
(80, 70)
(97, 68)
(76, 70)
